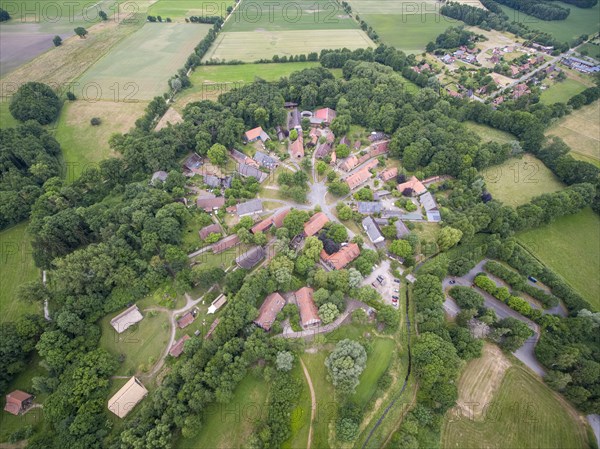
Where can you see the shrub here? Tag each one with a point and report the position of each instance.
(95, 121)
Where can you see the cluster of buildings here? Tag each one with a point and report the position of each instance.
(581, 65)
(319, 123)
(274, 303)
(414, 187)
(465, 54)
(520, 70)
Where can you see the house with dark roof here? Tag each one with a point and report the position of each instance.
(376, 136)
(315, 224)
(343, 257)
(192, 163)
(225, 244)
(270, 308)
(209, 203)
(212, 181)
(323, 150)
(208, 230)
(294, 120)
(254, 206)
(250, 258)
(434, 216)
(368, 207)
(264, 160)
(309, 315)
(177, 348)
(159, 176)
(256, 134)
(246, 170)
(372, 230)
(18, 402)
(381, 194)
(401, 229)
(428, 201)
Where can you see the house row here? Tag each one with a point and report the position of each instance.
(315, 224)
(274, 303)
(581, 65)
(376, 149)
(362, 175)
(342, 258)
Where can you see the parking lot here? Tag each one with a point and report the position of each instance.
(382, 280)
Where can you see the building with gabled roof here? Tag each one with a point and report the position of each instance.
(388, 173)
(249, 259)
(177, 348)
(127, 397)
(434, 216)
(212, 181)
(210, 203)
(315, 224)
(309, 315)
(250, 207)
(270, 308)
(368, 207)
(247, 170)
(343, 257)
(18, 402)
(323, 150)
(297, 148)
(226, 243)
(401, 229)
(349, 163)
(265, 160)
(256, 134)
(413, 183)
(187, 319)
(208, 230)
(193, 162)
(362, 175)
(219, 302)
(275, 220)
(428, 201)
(213, 326)
(126, 319)
(324, 116)
(372, 230)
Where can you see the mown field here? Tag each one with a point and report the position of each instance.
(83, 145)
(518, 180)
(591, 50)
(561, 92)
(138, 67)
(580, 21)
(581, 131)
(181, 9)
(229, 425)
(250, 46)
(570, 246)
(262, 15)
(17, 267)
(6, 119)
(487, 133)
(523, 413)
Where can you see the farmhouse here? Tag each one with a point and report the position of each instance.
(414, 184)
(388, 173)
(297, 148)
(309, 315)
(269, 310)
(250, 258)
(401, 229)
(210, 203)
(349, 163)
(126, 319)
(520, 90)
(323, 116)
(159, 176)
(247, 170)
(192, 163)
(368, 207)
(208, 230)
(323, 150)
(177, 348)
(361, 176)
(187, 319)
(127, 397)
(427, 201)
(372, 230)
(249, 207)
(18, 402)
(241, 158)
(225, 244)
(212, 181)
(256, 134)
(219, 302)
(265, 160)
(275, 220)
(314, 135)
(343, 257)
(315, 224)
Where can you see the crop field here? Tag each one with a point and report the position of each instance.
(139, 67)
(487, 133)
(402, 7)
(180, 9)
(560, 92)
(571, 248)
(84, 145)
(581, 131)
(409, 32)
(517, 181)
(229, 425)
(250, 46)
(17, 267)
(142, 344)
(523, 413)
(580, 21)
(289, 15)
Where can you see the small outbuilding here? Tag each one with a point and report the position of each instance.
(18, 402)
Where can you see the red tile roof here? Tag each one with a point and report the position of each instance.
(208, 204)
(226, 243)
(185, 320)
(388, 173)
(343, 257)
(309, 315)
(315, 224)
(267, 313)
(297, 148)
(255, 133)
(15, 401)
(177, 349)
(274, 220)
(325, 114)
(349, 163)
(356, 179)
(412, 183)
(208, 230)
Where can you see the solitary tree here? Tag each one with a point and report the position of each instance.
(95, 121)
(103, 15)
(81, 32)
(217, 154)
(35, 101)
(345, 365)
(284, 361)
(57, 41)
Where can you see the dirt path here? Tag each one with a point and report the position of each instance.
(313, 407)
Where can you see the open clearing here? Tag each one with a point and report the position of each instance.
(139, 67)
(6, 119)
(570, 246)
(591, 50)
(489, 134)
(84, 145)
(517, 181)
(581, 131)
(524, 413)
(17, 267)
(251, 46)
(378, 361)
(562, 91)
(229, 425)
(285, 16)
(580, 21)
(180, 9)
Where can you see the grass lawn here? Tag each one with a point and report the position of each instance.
(17, 267)
(139, 67)
(301, 413)
(570, 246)
(180, 9)
(229, 425)
(224, 260)
(6, 119)
(250, 46)
(378, 361)
(517, 181)
(263, 15)
(581, 131)
(487, 133)
(141, 344)
(524, 413)
(409, 32)
(580, 21)
(83, 145)
(562, 91)
(591, 50)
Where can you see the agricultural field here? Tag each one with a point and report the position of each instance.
(6, 119)
(229, 425)
(141, 345)
(592, 50)
(181, 9)
(518, 180)
(250, 46)
(84, 145)
(17, 267)
(138, 67)
(265, 15)
(560, 92)
(580, 21)
(581, 131)
(522, 412)
(489, 134)
(576, 258)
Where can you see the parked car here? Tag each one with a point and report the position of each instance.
(396, 290)
(397, 281)
(394, 300)
(395, 297)
(452, 282)
(532, 279)
(374, 284)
